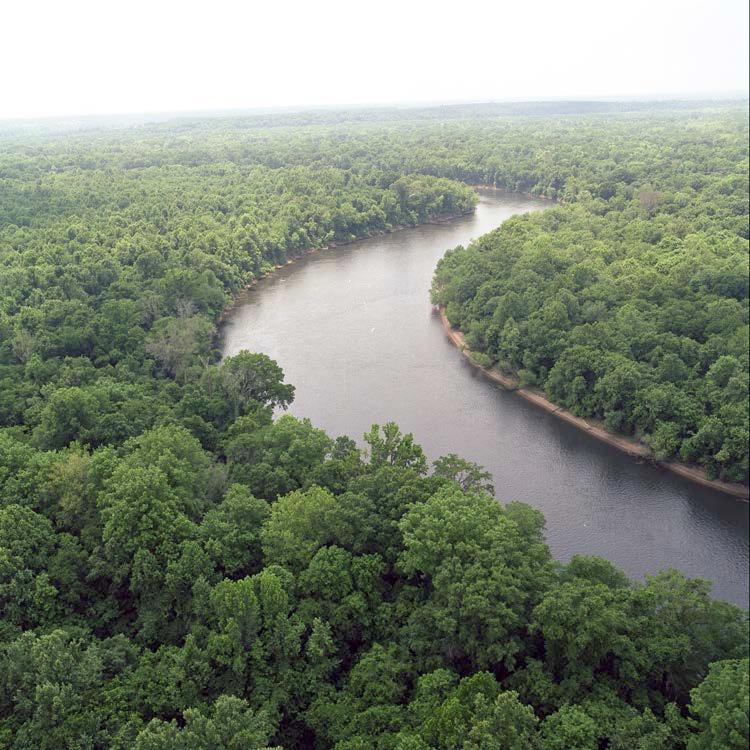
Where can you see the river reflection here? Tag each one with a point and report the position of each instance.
(353, 329)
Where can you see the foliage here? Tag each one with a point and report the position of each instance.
(628, 303)
(182, 567)
(720, 704)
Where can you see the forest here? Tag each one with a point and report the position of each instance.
(628, 303)
(180, 568)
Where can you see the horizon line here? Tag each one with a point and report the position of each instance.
(700, 96)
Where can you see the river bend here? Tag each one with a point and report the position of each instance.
(354, 331)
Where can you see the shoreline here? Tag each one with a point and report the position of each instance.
(438, 220)
(623, 443)
(501, 189)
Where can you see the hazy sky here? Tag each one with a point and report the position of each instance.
(109, 56)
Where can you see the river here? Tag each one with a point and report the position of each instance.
(354, 331)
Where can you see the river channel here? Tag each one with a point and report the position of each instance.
(354, 331)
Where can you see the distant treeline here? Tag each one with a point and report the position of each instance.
(473, 111)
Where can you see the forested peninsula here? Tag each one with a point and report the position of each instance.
(511, 381)
(629, 304)
(181, 569)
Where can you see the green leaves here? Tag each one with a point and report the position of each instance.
(180, 570)
(584, 626)
(720, 705)
(247, 377)
(139, 515)
(274, 459)
(231, 532)
(361, 619)
(466, 474)
(389, 447)
(622, 306)
(569, 729)
(469, 555)
(299, 525)
(228, 724)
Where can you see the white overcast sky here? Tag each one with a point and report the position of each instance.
(110, 56)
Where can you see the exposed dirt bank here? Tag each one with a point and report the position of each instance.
(621, 442)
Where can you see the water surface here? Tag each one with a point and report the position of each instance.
(354, 331)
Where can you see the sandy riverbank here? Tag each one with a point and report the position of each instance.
(621, 442)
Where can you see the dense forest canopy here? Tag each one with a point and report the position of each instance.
(178, 569)
(629, 303)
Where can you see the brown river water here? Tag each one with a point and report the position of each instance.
(354, 331)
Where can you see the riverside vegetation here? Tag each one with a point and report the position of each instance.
(178, 569)
(629, 304)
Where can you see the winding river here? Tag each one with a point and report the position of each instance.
(354, 331)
